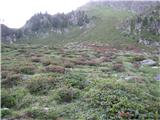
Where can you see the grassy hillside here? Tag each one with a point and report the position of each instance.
(102, 28)
(144, 26)
(78, 82)
(81, 75)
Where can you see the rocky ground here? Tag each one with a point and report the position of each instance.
(80, 81)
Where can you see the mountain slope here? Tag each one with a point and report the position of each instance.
(41, 25)
(102, 27)
(145, 27)
(80, 70)
(94, 22)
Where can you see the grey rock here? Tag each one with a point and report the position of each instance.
(4, 108)
(129, 78)
(26, 77)
(148, 62)
(46, 109)
(157, 77)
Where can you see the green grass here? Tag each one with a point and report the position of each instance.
(83, 91)
(89, 88)
(102, 29)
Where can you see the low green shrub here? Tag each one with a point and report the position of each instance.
(26, 101)
(11, 79)
(114, 100)
(5, 112)
(4, 74)
(138, 58)
(28, 70)
(68, 64)
(46, 62)
(10, 98)
(41, 84)
(92, 62)
(66, 94)
(7, 100)
(122, 101)
(35, 59)
(22, 50)
(76, 80)
(119, 67)
(40, 113)
(55, 68)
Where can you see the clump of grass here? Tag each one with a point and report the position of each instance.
(105, 59)
(66, 94)
(86, 62)
(7, 100)
(138, 58)
(30, 69)
(39, 55)
(5, 112)
(16, 69)
(11, 79)
(76, 80)
(10, 99)
(40, 113)
(118, 67)
(79, 61)
(22, 50)
(41, 84)
(35, 59)
(54, 68)
(4, 74)
(46, 62)
(92, 63)
(68, 64)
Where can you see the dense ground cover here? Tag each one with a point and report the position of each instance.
(80, 81)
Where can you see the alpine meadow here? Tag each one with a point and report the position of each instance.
(98, 62)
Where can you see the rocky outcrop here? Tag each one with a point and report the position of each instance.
(149, 42)
(145, 27)
(9, 35)
(41, 24)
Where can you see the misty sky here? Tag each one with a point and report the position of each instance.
(14, 13)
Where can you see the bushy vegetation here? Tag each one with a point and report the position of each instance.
(67, 95)
(28, 69)
(41, 84)
(11, 79)
(58, 86)
(5, 112)
(10, 99)
(76, 80)
(80, 80)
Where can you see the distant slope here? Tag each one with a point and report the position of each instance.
(9, 35)
(145, 27)
(106, 19)
(41, 25)
(102, 27)
(94, 22)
